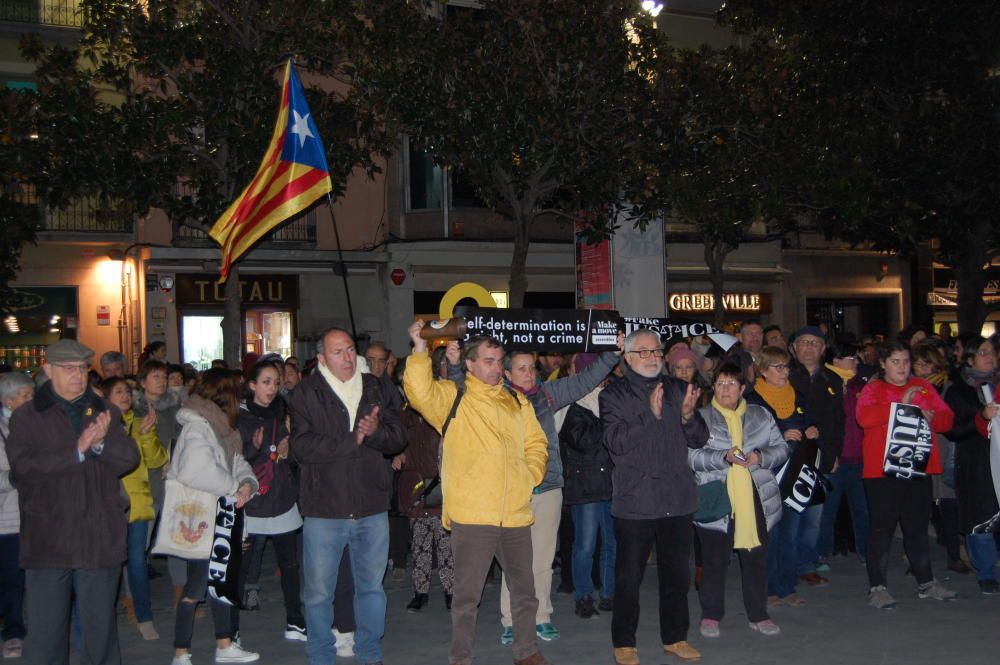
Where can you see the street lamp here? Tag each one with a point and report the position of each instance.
(652, 7)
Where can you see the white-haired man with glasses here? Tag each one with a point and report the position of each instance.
(650, 422)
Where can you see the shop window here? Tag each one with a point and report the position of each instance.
(202, 340)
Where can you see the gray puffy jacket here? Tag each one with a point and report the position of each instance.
(760, 434)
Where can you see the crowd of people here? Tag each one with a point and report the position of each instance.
(355, 467)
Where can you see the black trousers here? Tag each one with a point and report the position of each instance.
(716, 547)
(226, 618)
(49, 594)
(286, 550)
(908, 503)
(672, 536)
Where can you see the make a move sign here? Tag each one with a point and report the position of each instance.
(908, 442)
(546, 330)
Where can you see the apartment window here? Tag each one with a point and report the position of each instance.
(425, 189)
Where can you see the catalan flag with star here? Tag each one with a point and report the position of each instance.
(292, 175)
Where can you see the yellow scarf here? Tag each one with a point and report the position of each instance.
(845, 374)
(739, 484)
(938, 379)
(782, 400)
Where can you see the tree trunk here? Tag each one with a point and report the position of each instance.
(715, 258)
(971, 276)
(232, 320)
(518, 284)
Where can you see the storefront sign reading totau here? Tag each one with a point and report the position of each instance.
(277, 290)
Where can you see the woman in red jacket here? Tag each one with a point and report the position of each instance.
(893, 500)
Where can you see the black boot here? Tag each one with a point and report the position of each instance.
(585, 607)
(418, 602)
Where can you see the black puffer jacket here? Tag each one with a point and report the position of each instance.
(279, 487)
(977, 500)
(338, 478)
(587, 464)
(652, 478)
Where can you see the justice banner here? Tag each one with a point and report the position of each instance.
(548, 330)
(907, 442)
(678, 328)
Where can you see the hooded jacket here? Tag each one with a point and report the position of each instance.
(152, 455)
(494, 452)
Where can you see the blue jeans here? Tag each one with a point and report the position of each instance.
(808, 535)
(783, 554)
(846, 480)
(323, 543)
(11, 587)
(135, 567)
(983, 555)
(588, 520)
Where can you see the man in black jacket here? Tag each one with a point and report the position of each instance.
(68, 449)
(341, 432)
(650, 421)
(824, 393)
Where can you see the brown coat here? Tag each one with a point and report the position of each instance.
(73, 514)
(422, 443)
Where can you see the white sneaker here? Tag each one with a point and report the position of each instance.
(235, 654)
(345, 644)
(181, 660)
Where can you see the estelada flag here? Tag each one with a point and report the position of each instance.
(292, 175)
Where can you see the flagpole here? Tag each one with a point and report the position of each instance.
(343, 266)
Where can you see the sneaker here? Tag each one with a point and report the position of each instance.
(682, 650)
(234, 653)
(823, 566)
(775, 601)
(987, 587)
(345, 644)
(12, 648)
(507, 636)
(585, 607)
(251, 600)
(546, 632)
(295, 632)
(146, 629)
(766, 627)
(794, 600)
(606, 605)
(880, 599)
(181, 660)
(709, 628)
(934, 590)
(418, 602)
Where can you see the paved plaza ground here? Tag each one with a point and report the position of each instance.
(835, 627)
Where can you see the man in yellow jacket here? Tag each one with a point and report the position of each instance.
(494, 454)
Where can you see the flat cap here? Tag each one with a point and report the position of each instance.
(68, 351)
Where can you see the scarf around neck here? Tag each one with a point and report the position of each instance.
(782, 400)
(349, 391)
(845, 374)
(974, 378)
(739, 483)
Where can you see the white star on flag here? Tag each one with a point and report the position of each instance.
(301, 128)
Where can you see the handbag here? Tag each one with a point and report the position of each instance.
(187, 522)
(713, 502)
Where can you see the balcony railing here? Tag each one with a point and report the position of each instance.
(59, 13)
(81, 216)
(301, 230)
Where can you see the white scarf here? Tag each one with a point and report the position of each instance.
(591, 401)
(348, 391)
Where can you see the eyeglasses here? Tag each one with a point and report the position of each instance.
(781, 367)
(809, 342)
(728, 384)
(72, 369)
(985, 352)
(645, 353)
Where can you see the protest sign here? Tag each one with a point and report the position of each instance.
(551, 330)
(907, 442)
(676, 328)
